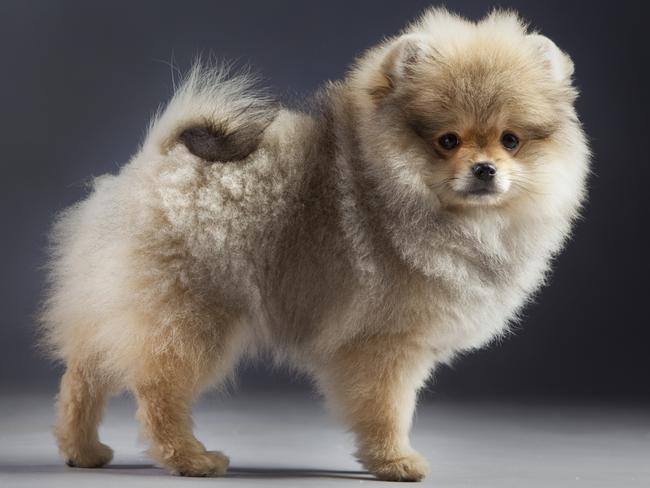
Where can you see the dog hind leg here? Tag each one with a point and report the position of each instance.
(82, 397)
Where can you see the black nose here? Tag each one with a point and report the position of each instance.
(484, 171)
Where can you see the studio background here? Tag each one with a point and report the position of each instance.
(80, 81)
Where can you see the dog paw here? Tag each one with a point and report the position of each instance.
(409, 467)
(208, 463)
(94, 456)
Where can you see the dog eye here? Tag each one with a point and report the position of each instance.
(449, 141)
(509, 141)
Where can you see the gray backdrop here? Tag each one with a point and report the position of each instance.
(81, 79)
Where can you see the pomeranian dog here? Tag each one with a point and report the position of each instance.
(407, 217)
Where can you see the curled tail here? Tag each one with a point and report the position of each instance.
(218, 117)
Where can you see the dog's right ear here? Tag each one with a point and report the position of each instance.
(400, 61)
(556, 62)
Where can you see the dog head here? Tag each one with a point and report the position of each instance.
(480, 114)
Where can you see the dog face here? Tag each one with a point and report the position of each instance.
(480, 113)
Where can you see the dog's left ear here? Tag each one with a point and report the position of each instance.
(557, 63)
(406, 53)
(399, 62)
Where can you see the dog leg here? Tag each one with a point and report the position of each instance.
(165, 388)
(373, 385)
(81, 402)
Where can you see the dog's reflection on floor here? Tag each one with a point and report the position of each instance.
(145, 469)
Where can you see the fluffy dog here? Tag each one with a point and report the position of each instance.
(407, 217)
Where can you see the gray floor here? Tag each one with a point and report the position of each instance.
(288, 439)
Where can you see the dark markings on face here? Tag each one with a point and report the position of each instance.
(431, 116)
(478, 97)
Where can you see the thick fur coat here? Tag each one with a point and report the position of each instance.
(355, 242)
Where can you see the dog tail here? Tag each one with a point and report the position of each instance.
(216, 115)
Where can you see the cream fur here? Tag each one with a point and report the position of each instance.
(340, 244)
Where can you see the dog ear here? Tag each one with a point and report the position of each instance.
(400, 61)
(409, 50)
(557, 63)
